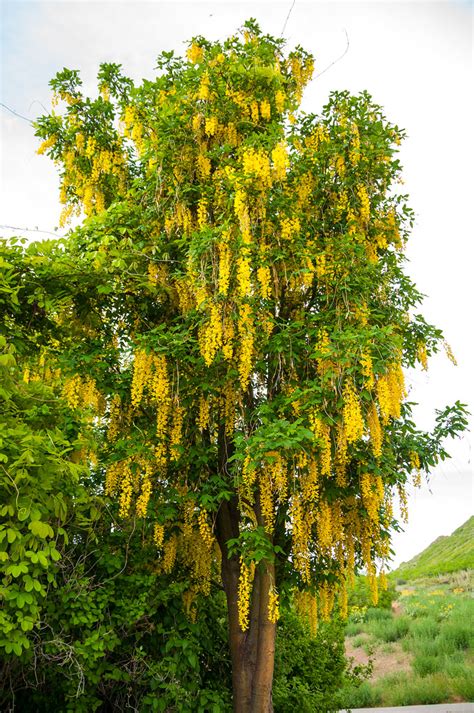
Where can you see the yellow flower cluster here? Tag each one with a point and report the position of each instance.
(391, 391)
(354, 152)
(367, 369)
(205, 529)
(47, 144)
(307, 607)
(280, 161)
(403, 502)
(264, 280)
(326, 600)
(352, 414)
(249, 475)
(322, 434)
(277, 471)
(256, 164)
(266, 501)
(343, 599)
(290, 228)
(162, 393)
(202, 213)
(82, 392)
(224, 264)
(422, 355)
(203, 166)
(203, 91)
(133, 128)
(310, 482)
(373, 585)
(142, 374)
(449, 353)
(170, 549)
(204, 413)
(158, 535)
(211, 125)
(324, 526)
(265, 109)
(146, 487)
(280, 101)
(115, 412)
(231, 135)
(364, 209)
(126, 488)
(228, 339)
(244, 593)
(195, 53)
(273, 606)
(176, 433)
(244, 273)
(415, 464)
(372, 491)
(72, 391)
(210, 340)
(245, 328)
(302, 73)
(301, 529)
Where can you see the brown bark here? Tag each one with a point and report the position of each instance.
(263, 675)
(252, 651)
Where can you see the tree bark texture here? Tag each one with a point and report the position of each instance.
(252, 651)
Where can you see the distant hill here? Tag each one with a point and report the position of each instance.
(446, 554)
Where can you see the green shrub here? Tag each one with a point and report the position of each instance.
(308, 670)
(360, 595)
(424, 665)
(463, 684)
(433, 689)
(363, 696)
(353, 628)
(456, 635)
(374, 614)
(389, 630)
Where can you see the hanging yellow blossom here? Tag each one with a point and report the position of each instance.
(280, 161)
(245, 590)
(352, 414)
(273, 606)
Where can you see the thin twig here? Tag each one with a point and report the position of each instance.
(15, 113)
(30, 230)
(287, 17)
(336, 60)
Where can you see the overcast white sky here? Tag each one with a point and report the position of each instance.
(415, 58)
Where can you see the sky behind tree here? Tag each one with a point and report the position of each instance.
(414, 58)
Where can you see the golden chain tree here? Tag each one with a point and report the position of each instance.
(235, 327)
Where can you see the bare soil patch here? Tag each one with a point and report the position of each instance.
(385, 662)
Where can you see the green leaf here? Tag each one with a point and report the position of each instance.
(41, 529)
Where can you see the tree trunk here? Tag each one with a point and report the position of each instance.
(252, 651)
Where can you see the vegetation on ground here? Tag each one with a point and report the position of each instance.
(428, 635)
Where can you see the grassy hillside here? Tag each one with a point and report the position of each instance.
(445, 554)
